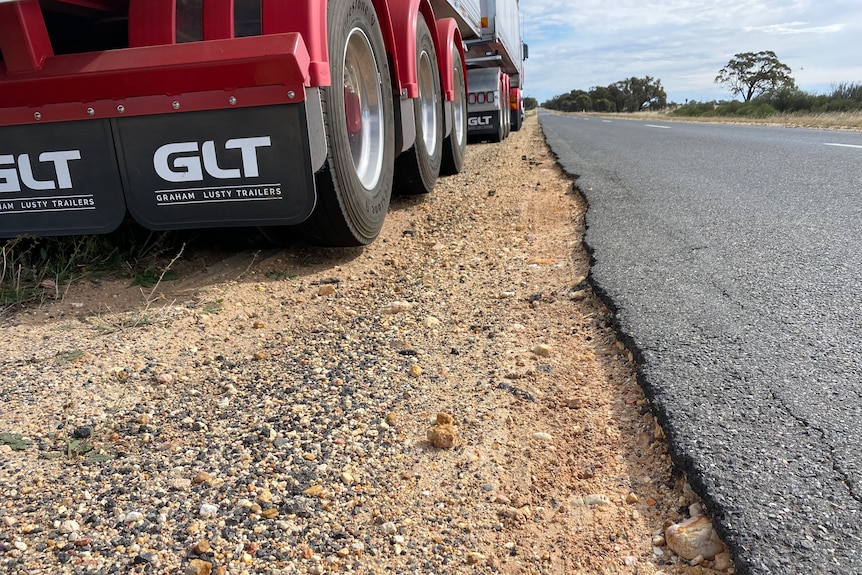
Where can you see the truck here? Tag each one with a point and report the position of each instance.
(297, 116)
(495, 62)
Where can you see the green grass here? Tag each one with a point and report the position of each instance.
(34, 270)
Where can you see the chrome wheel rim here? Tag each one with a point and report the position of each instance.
(459, 106)
(363, 95)
(427, 102)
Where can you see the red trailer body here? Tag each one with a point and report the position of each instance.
(215, 113)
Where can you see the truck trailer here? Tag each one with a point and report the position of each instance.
(282, 115)
(495, 62)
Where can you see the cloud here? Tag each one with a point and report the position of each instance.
(795, 28)
(579, 45)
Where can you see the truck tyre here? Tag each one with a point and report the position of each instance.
(501, 129)
(354, 185)
(516, 121)
(417, 168)
(504, 113)
(455, 144)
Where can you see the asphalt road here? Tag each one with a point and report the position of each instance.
(733, 257)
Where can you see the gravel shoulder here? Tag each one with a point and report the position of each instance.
(269, 410)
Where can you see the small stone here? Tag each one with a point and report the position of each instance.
(542, 436)
(258, 325)
(201, 547)
(389, 528)
(542, 350)
(347, 478)
(202, 477)
(164, 378)
(143, 558)
(20, 546)
(723, 562)
(69, 526)
(475, 558)
(326, 290)
(398, 307)
(270, 513)
(631, 498)
(133, 516)
(208, 510)
(415, 370)
(314, 491)
(542, 261)
(265, 496)
(199, 567)
(574, 403)
(82, 432)
(444, 418)
(431, 322)
(443, 434)
(392, 418)
(694, 537)
(597, 500)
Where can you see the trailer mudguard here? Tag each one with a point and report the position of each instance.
(218, 168)
(59, 180)
(448, 35)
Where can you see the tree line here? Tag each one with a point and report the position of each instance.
(629, 95)
(764, 83)
(843, 97)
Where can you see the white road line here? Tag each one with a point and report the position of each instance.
(657, 126)
(842, 145)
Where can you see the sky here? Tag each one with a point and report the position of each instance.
(581, 44)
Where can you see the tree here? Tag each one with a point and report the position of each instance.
(646, 92)
(629, 95)
(751, 74)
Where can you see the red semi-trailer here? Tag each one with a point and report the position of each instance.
(495, 62)
(224, 113)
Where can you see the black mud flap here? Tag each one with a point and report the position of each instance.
(220, 168)
(59, 179)
(487, 122)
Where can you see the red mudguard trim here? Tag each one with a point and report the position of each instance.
(404, 18)
(449, 35)
(308, 18)
(255, 71)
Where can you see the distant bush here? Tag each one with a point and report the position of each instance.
(845, 97)
(695, 109)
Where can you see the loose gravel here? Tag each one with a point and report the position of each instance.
(452, 398)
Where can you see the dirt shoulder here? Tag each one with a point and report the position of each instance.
(269, 410)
